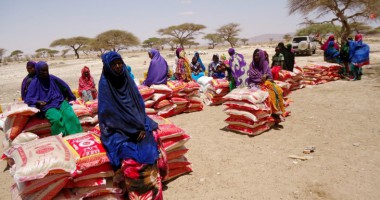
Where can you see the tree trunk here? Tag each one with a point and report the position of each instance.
(76, 53)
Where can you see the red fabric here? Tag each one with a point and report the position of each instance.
(275, 72)
(87, 83)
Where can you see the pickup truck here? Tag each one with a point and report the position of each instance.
(304, 45)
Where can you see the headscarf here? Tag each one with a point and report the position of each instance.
(28, 78)
(326, 44)
(200, 61)
(237, 64)
(288, 57)
(122, 116)
(183, 70)
(86, 82)
(158, 69)
(331, 54)
(212, 66)
(51, 90)
(258, 69)
(359, 51)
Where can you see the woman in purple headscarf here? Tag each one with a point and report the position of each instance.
(126, 130)
(158, 69)
(51, 94)
(260, 76)
(30, 67)
(236, 68)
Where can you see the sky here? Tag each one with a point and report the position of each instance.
(28, 25)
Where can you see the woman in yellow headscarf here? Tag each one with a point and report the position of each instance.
(183, 70)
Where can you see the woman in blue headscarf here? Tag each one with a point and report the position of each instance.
(126, 130)
(51, 95)
(31, 68)
(158, 69)
(358, 56)
(197, 67)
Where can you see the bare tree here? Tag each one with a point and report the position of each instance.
(229, 33)
(75, 43)
(182, 33)
(345, 12)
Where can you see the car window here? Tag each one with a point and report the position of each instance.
(299, 39)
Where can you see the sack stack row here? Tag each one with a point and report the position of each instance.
(76, 166)
(215, 92)
(174, 98)
(248, 110)
(323, 72)
(295, 79)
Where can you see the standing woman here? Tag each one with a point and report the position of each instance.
(51, 95)
(158, 69)
(86, 88)
(126, 130)
(237, 66)
(358, 56)
(31, 68)
(260, 75)
(183, 71)
(288, 57)
(328, 47)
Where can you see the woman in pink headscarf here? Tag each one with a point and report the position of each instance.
(330, 49)
(86, 89)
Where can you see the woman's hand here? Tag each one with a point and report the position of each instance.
(264, 78)
(141, 136)
(40, 104)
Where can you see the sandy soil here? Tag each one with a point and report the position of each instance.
(339, 118)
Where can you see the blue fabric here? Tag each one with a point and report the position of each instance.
(157, 71)
(122, 116)
(49, 90)
(129, 68)
(196, 77)
(359, 53)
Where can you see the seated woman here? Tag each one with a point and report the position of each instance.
(30, 67)
(50, 94)
(86, 89)
(260, 75)
(197, 70)
(183, 70)
(220, 71)
(126, 130)
(212, 66)
(277, 63)
(158, 69)
(330, 49)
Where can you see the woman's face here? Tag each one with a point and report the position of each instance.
(117, 66)
(150, 55)
(256, 57)
(31, 70)
(44, 72)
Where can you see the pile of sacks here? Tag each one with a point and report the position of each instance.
(76, 166)
(292, 80)
(248, 110)
(323, 72)
(215, 90)
(174, 98)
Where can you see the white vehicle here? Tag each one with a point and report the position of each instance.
(304, 45)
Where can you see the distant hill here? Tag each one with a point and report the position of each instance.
(267, 38)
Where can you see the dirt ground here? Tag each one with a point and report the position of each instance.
(341, 119)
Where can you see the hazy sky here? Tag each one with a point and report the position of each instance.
(28, 25)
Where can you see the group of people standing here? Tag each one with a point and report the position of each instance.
(353, 55)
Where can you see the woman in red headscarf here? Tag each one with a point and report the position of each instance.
(86, 89)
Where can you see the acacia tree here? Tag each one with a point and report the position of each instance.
(345, 12)
(287, 37)
(229, 33)
(182, 33)
(214, 39)
(2, 52)
(115, 40)
(75, 43)
(151, 42)
(244, 41)
(16, 54)
(43, 52)
(52, 52)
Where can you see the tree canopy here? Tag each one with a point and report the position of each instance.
(229, 33)
(345, 12)
(75, 43)
(183, 33)
(114, 40)
(213, 38)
